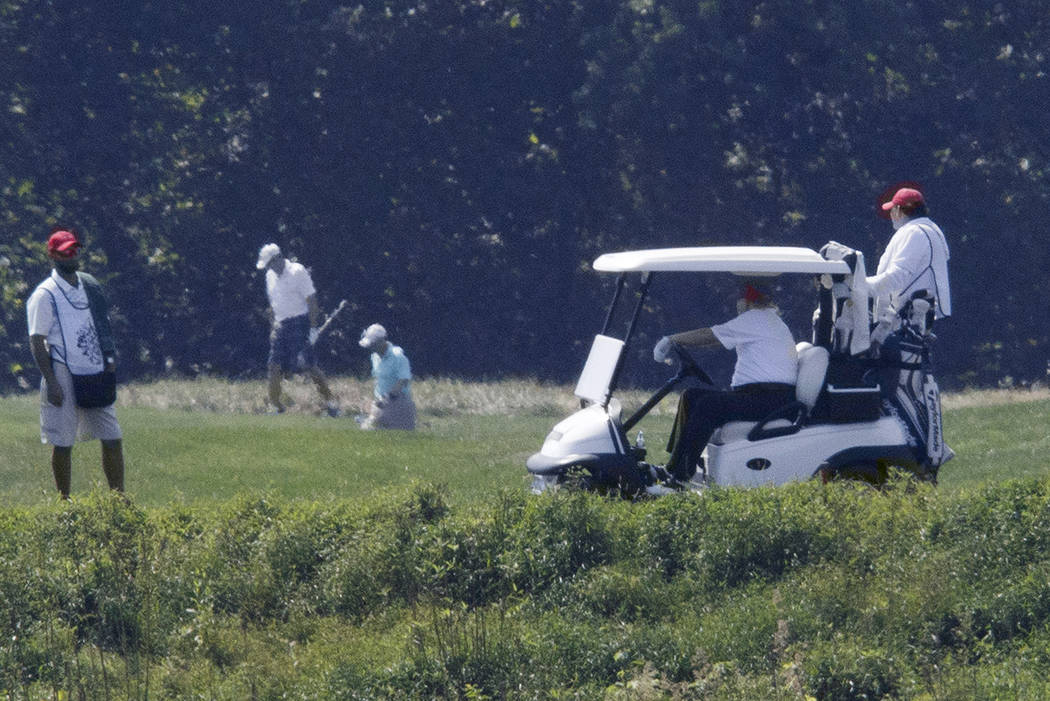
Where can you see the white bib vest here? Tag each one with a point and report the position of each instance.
(82, 352)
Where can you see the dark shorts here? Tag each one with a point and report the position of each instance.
(702, 410)
(290, 346)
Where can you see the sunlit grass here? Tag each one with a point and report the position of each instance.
(209, 439)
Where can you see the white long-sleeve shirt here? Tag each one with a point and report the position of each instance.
(916, 258)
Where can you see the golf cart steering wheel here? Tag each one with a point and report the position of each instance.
(689, 366)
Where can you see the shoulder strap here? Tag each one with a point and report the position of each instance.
(99, 312)
(49, 290)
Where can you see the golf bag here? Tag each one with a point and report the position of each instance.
(910, 390)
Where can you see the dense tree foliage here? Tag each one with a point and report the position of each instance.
(452, 168)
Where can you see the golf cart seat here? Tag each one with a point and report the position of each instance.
(790, 418)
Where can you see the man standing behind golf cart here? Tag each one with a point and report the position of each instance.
(392, 406)
(912, 281)
(763, 379)
(294, 318)
(916, 258)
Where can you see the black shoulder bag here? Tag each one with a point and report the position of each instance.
(99, 389)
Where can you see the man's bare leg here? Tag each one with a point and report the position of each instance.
(331, 405)
(275, 387)
(322, 384)
(62, 467)
(113, 463)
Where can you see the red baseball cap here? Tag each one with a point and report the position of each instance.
(904, 197)
(887, 195)
(62, 244)
(754, 291)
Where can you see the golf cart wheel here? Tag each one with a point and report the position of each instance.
(577, 478)
(618, 483)
(871, 472)
(911, 474)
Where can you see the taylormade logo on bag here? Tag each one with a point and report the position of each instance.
(933, 407)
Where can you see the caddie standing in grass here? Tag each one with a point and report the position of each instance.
(294, 317)
(392, 406)
(73, 346)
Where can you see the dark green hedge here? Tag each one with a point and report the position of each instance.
(836, 592)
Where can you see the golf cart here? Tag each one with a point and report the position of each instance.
(865, 399)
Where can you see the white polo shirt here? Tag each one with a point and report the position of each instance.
(289, 291)
(765, 348)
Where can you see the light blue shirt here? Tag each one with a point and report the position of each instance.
(389, 368)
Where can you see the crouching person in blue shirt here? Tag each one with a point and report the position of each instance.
(392, 406)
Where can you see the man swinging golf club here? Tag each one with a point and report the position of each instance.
(294, 317)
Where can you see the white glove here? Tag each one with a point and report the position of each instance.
(662, 349)
(314, 333)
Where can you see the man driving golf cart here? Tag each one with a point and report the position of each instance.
(763, 379)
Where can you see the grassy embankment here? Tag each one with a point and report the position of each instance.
(295, 557)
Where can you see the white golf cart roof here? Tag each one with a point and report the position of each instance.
(740, 260)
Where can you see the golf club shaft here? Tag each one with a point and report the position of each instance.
(331, 317)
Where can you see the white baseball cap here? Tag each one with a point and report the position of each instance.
(372, 335)
(266, 254)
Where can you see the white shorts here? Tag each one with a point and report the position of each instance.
(62, 426)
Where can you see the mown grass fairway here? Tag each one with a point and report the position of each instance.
(178, 456)
(200, 441)
(995, 442)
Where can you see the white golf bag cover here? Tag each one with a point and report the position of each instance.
(851, 333)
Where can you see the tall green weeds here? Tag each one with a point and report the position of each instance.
(830, 592)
